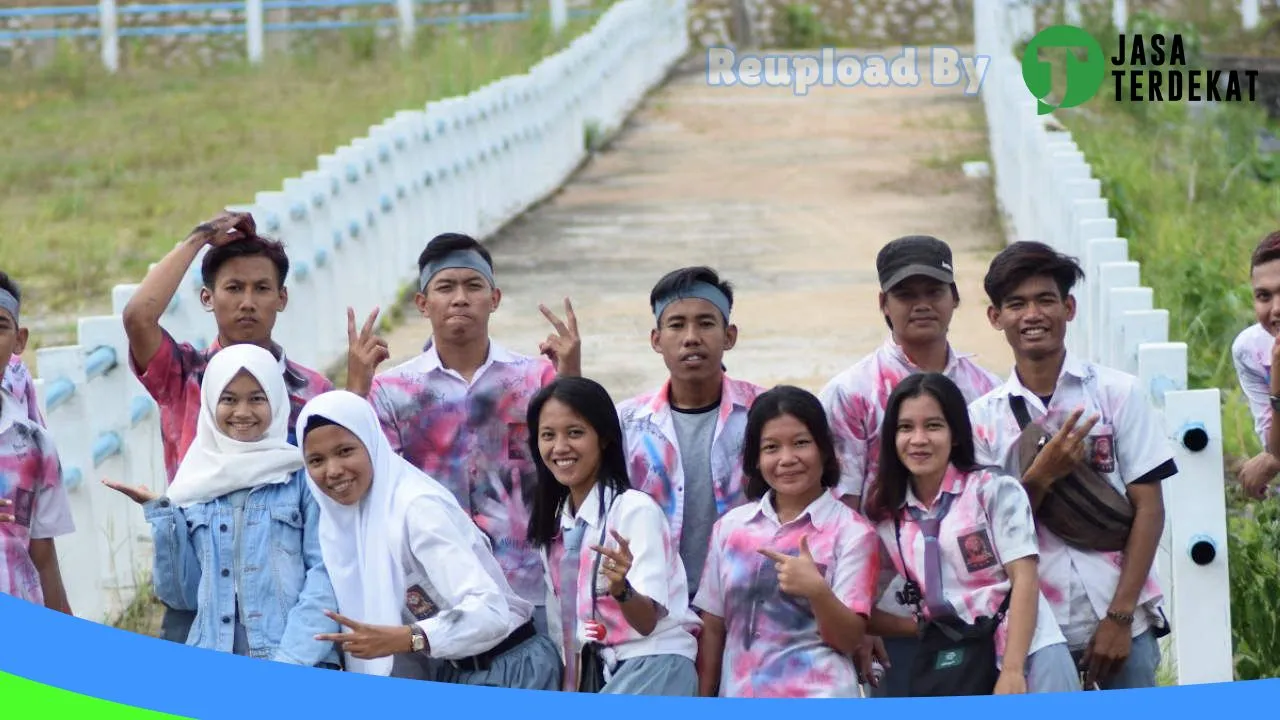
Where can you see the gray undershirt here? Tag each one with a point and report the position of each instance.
(694, 432)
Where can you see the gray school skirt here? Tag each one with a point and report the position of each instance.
(669, 675)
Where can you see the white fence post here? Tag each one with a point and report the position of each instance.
(408, 25)
(559, 15)
(1202, 650)
(1250, 14)
(108, 34)
(253, 27)
(1120, 14)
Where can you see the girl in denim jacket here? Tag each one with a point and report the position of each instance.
(236, 536)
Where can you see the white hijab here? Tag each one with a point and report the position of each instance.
(362, 544)
(216, 464)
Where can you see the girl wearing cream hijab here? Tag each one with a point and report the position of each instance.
(237, 537)
(418, 588)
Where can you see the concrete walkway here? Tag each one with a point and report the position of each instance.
(788, 197)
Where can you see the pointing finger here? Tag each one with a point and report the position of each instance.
(773, 555)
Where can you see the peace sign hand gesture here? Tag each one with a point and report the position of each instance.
(617, 563)
(798, 574)
(1065, 448)
(369, 642)
(365, 352)
(564, 347)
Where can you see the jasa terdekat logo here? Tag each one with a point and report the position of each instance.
(1144, 68)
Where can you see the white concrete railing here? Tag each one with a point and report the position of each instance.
(1047, 192)
(353, 228)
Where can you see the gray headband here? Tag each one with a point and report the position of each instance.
(10, 303)
(469, 259)
(701, 291)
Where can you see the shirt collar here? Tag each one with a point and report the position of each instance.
(953, 482)
(8, 410)
(590, 510)
(1071, 365)
(497, 354)
(895, 352)
(731, 390)
(822, 512)
(276, 349)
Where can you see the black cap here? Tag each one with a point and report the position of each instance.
(914, 255)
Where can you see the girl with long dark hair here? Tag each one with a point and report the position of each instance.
(612, 569)
(790, 578)
(929, 486)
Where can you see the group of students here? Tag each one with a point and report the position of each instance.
(479, 516)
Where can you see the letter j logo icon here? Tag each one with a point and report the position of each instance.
(1084, 77)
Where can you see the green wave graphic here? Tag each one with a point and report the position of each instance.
(45, 701)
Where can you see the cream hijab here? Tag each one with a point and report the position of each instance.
(362, 544)
(217, 465)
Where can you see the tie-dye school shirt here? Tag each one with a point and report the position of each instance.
(656, 573)
(1251, 354)
(653, 452)
(173, 377)
(31, 479)
(1128, 445)
(856, 398)
(988, 525)
(773, 647)
(473, 438)
(19, 384)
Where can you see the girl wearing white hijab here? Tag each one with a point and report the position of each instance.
(417, 584)
(236, 537)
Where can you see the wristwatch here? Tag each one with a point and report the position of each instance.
(419, 641)
(627, 592)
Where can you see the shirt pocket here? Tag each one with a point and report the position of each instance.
(975, 552)
(286, 529)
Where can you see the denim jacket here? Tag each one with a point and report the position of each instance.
(284, 588)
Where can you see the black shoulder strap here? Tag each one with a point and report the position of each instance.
(897, 536)
(1019, 406)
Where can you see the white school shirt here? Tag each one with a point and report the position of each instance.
(1251, 354)
(656, 573)
(454, 588)
(1080, 584)
(988, 526)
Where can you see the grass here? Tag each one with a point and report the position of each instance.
(103, 174)
(1193, 194)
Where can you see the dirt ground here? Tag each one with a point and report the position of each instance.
(788, 197)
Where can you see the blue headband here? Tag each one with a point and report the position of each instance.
(469, 259)
(699, 290)
(10, 303)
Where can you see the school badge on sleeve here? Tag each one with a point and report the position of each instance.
(418, 603)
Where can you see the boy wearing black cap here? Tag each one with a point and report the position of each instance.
(918, 297)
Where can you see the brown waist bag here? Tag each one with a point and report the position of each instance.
(1083, 508)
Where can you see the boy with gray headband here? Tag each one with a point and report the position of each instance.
(34, 508)
(684, 440)
(457, 411)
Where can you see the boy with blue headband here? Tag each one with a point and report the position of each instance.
(34, 508)
(457, 411)
(684, 440)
